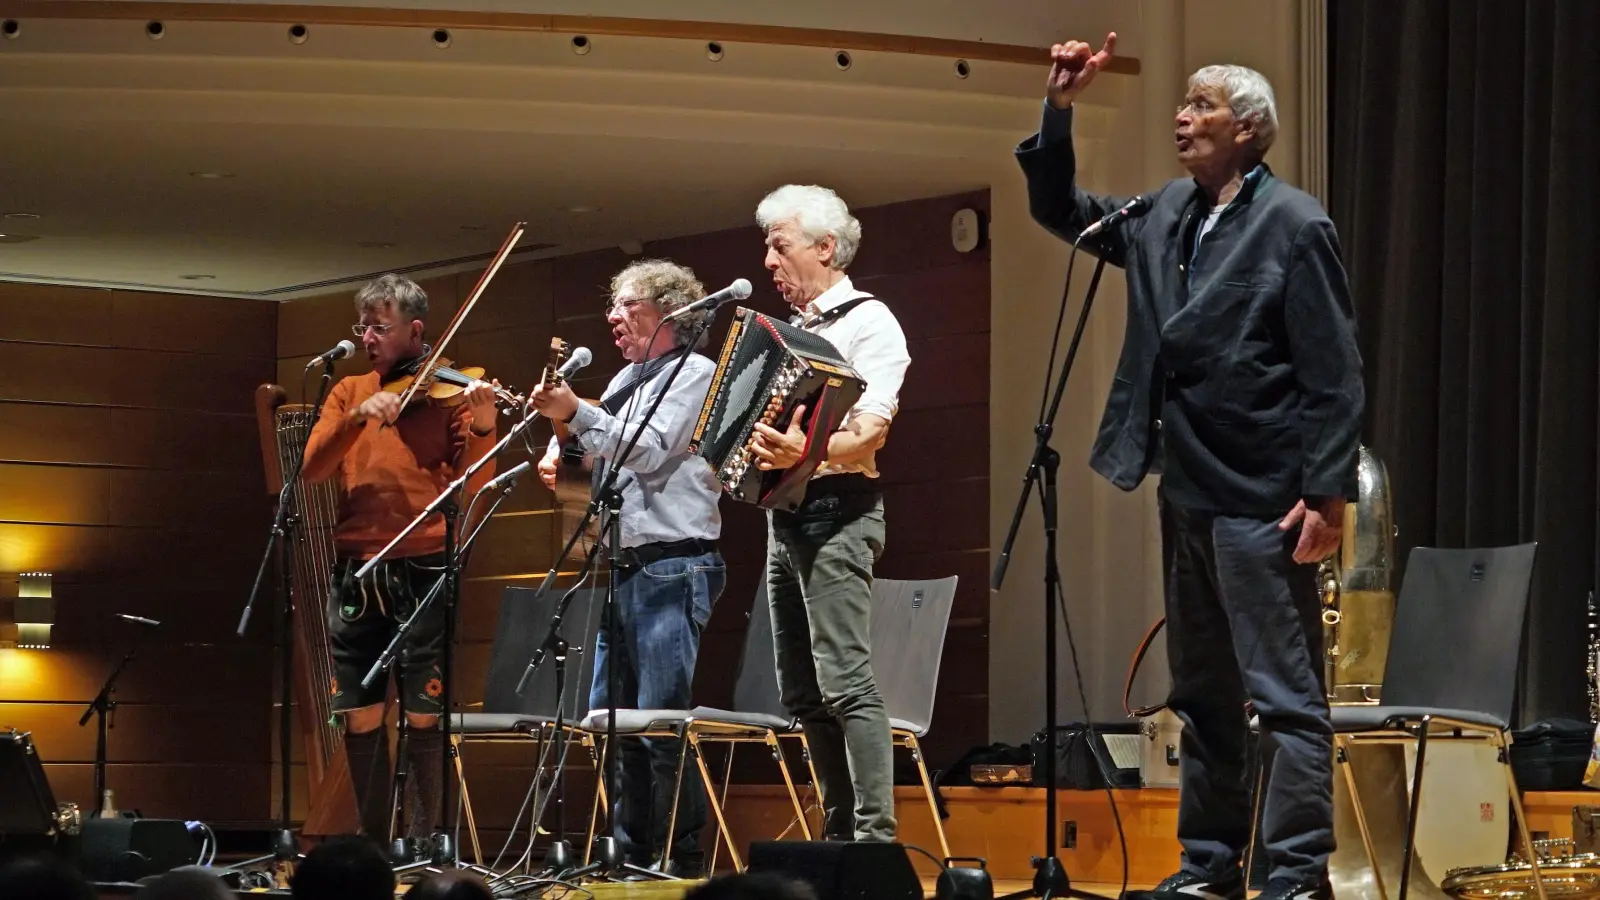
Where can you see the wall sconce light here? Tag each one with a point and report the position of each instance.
(35, 611)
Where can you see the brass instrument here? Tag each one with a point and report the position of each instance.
(1593, 668)
(1357, 597)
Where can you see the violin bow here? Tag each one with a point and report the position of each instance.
(425, 370)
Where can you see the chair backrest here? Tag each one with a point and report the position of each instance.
(1458, 629)
(524, 624)
(755, 689)
(909, 619)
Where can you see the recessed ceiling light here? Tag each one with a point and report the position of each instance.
(212, 176)
(22, 215)
(17, 238)
(198, 277)
(581, 210)
(375, 245)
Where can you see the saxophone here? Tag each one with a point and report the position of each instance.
(1357, 596)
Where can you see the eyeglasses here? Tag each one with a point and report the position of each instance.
(361, 330)
(1200, 107)
(623, 305)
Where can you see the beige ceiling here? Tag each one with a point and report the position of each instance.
(367, 149)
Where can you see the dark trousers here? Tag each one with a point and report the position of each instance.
(819, 588)
(1244, 623)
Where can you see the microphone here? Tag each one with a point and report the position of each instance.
(580, 357)
(1133, 209)
(141, 620)
(739, 290)
(339, 351)
(505, 479)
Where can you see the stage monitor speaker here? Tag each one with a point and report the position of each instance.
(130, 849)
(842, 870)
(27, 805)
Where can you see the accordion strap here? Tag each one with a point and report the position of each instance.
(835, 313)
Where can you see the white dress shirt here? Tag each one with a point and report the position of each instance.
(871, 341)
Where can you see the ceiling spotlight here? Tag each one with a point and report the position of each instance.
(298, 34)
(713, 51)
(20, 216)
(583, 210)
(197, 277)
(963, 68)
(155, 30)
(212, 176)
(11, 28)
(474, 228)
(841, 58)
(581, 45)
(441, 38)
(375, 245)
(17, 238)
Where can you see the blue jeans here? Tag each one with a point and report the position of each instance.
(1244, 622)
(662, 609)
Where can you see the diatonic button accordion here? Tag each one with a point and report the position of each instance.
(766, 369)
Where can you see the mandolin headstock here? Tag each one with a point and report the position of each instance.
(558, 356)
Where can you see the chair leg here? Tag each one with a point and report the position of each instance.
(597, 756)
(716, 806)
(1342, 745)
(927, 788)
(466, 800)
(1521, 815)
(727, 779)
(788, 782)
(1416, 807)
(1256, 802)
(684, 744)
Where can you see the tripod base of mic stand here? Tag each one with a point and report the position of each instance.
(1050, 881)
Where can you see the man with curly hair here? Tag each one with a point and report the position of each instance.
(669, 523)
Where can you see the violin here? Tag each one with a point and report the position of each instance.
(447, 386)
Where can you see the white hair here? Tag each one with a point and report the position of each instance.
(818, 213)
(1249, 96)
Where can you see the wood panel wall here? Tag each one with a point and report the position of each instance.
(129, 470)
(935, 466)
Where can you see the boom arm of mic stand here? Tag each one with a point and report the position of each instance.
(449, 491)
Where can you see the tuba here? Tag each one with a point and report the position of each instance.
(1357, 596)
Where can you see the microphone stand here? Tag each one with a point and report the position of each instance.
(1050, 878)
(608, 499)
(280, 537)
(102, 706)
(450, 582)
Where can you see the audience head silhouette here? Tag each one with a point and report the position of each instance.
(344, 868)
(187, 883)
(457, 885)
(43, 879)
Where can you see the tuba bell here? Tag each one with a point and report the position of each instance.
(1357, 596)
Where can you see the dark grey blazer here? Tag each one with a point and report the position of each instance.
(1239, 365)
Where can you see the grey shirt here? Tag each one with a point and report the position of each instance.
(667, 494)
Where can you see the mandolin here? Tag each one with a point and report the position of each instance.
(574, 468)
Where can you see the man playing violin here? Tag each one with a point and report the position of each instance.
(390, 464)
(669, 524)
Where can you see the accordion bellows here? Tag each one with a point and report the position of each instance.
(766, 369)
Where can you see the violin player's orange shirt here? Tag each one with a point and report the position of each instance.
(387, 476)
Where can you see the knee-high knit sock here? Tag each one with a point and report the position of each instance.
(368, 753)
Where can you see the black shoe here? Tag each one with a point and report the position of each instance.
(1228, 885)
(1315, 889)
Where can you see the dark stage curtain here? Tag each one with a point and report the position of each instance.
(1465, 184)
